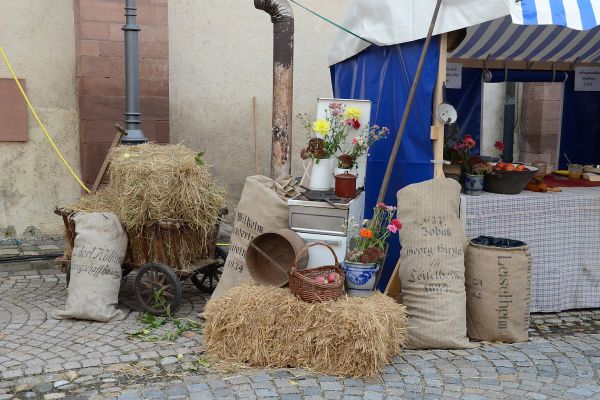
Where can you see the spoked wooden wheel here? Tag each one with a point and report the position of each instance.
(157, 289)
(208, 279)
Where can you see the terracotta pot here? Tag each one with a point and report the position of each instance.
(345, 185)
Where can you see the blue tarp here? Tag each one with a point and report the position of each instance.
(580, 130)
(467, 101)
(384, 75)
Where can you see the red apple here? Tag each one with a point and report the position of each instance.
(333, 277)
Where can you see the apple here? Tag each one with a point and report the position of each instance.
(321, 280)
(333, 277)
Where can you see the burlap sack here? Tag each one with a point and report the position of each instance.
(432, 265)
(99, 250)
(498, 281)
(262, 208)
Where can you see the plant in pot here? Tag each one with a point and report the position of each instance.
(367, 249)
(474, 168)
(359, 147)
(325, 137)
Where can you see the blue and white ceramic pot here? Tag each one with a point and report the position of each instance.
(360, 278)
(473, 184)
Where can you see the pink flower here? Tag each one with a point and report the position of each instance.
(392, 228)
(354, 140)
(353, 123)
(381, 205)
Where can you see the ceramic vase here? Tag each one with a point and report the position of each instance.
(360, 278)
(473, 184)
(321, 176)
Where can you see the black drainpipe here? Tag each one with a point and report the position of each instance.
(283, 89)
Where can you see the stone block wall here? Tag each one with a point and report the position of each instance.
(541, 121)
(101, 75)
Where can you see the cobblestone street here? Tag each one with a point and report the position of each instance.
(44, 358)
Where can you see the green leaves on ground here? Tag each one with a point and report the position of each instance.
(152, 322)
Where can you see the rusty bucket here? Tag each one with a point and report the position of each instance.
(270, 257)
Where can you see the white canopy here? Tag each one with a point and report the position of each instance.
(388, 22)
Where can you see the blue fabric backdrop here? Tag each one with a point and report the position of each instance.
(384, 75)
(580, 131)
(467, 101)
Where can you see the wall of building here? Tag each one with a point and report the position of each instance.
(39, 39)
(101, 75)
(541, 122)
(220, 58)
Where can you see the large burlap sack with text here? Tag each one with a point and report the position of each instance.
(98, 252)
(262, 208)
(432, 270)
(498, 281)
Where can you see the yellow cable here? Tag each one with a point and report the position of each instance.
(41, 124)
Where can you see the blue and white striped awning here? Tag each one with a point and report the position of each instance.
(575, 14)
(503, 41)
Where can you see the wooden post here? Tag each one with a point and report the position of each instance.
(437, 136)
(437, 127)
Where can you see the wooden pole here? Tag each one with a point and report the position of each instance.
(255, 135)
(437, 127)
(407, 108)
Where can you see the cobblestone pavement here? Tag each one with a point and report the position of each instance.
(43, 358)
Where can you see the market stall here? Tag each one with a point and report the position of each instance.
(383, 66)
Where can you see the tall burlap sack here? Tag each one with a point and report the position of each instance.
(262, 208)
(498, 281)
(432, 270)
(98, 252)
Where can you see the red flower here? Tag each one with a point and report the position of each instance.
(499, 145)
(469, 142)
(397, 223)
(353, 123)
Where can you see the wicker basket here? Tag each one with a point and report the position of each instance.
(303, 285)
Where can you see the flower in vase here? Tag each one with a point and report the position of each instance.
(353, 123)
(322, 127)
(392, 228)
(396, 223)
(366, 233)
(353, 113)
(499, 145)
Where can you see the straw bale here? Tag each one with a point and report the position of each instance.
(269, 327)
(153, 182)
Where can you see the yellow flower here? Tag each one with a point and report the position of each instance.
(321, 126)
(353, 113)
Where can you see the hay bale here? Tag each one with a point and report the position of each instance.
(153, 182)
(269, 327)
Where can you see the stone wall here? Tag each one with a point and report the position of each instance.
(220, 58)
(39, 39)
(101, 75)
(541, 122)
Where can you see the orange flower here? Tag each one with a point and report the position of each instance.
(366, 233)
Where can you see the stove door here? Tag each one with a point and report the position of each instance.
(320, 255)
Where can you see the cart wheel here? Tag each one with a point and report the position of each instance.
(157, 289)
(210, 278)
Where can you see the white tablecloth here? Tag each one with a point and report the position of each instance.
(563, 232)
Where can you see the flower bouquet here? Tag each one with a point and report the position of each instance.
(325, 138)
(367, 249)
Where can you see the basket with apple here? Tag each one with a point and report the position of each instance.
(508, 178)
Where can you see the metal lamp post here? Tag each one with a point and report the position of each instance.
(132, 78)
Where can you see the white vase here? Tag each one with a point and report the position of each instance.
(320, 175)
(361, 171)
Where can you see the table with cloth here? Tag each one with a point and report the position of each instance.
(563, 232)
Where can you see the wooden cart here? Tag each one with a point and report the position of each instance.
(157, 285)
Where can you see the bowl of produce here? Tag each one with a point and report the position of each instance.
(508, 178)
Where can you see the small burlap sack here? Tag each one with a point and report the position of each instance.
(498, 281)
(99, 250)
(262, 208)
(432, 270)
